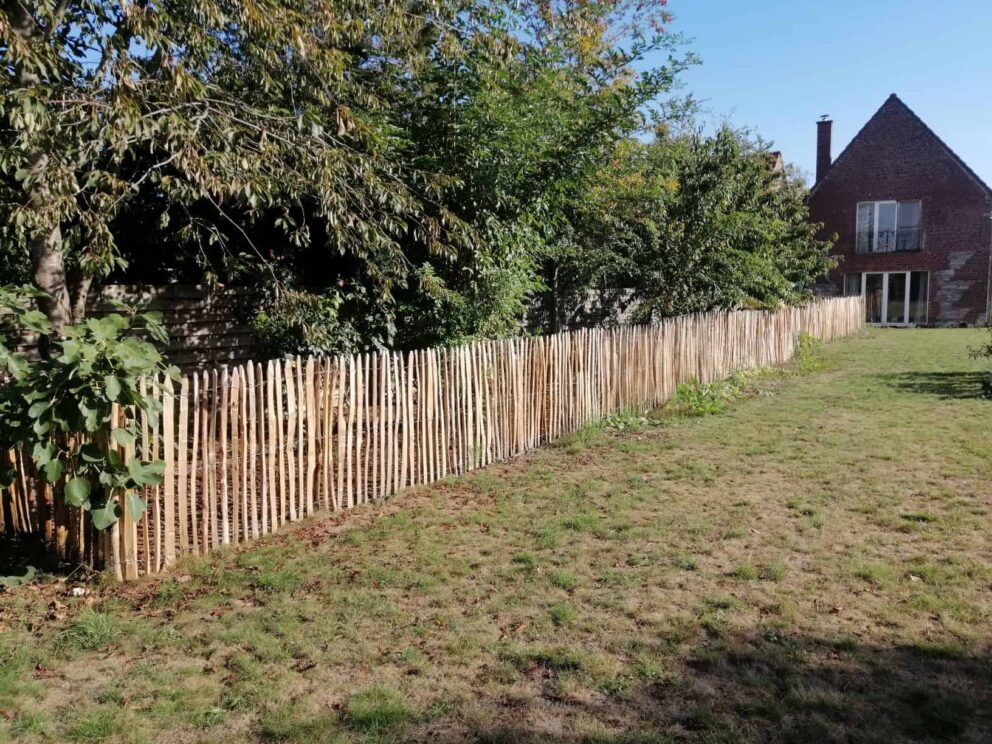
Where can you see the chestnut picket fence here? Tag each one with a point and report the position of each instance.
(251, 447)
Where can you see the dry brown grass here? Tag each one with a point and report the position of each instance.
(813, 564)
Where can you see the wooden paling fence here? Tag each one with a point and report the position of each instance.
(250, 447)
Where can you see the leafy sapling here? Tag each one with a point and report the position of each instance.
(76, 409)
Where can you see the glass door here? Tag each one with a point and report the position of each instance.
(895, 298)
(873, 297)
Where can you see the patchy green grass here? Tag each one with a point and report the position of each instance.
(808, 562)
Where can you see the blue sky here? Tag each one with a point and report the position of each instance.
(776, 65)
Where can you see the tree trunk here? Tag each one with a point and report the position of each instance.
(554, 304)
(49, 276)
(79, 292)
(47, 259)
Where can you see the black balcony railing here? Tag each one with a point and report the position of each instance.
(908, 239)
(890, 241)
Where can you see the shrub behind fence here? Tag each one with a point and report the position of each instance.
(251, 447)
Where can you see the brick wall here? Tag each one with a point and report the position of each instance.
(897, 157)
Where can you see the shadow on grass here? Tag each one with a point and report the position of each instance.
(21, 557)
(775, 688)
(940, 384)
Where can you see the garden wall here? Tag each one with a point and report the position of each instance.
(207, 326)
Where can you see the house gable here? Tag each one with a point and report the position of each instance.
(896, 133)
(897, 157)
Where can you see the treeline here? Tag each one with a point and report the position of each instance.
(389, 174)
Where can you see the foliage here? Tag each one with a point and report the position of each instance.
(496, 287)
(691, 223)
(214, 118)
(807, 357)
(419, 152)
(522, 125)
(293, 321)
(696, 398)
(628, 420)
(62, 408)
(984, 349)
(398, 174)
(978, 352)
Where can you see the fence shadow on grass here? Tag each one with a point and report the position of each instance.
(769, 687)
(946, 385)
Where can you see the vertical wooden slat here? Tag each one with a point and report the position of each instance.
(206, 489)
(168, 454)
(247, 497)
(280, 389)
(361, 397)
(274, 441)
(383, 448)
(150, 560)
(155, 503)
(301, 468)
(350, 432)
(224, 400)
(292, 413)
(254, 456)
(212, 470)
(182, 466)
(344, 374)
(312, 425)
(236, 417)
(368, 427)
(407, 466)
(195, 492)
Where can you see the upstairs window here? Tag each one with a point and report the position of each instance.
(887, 226)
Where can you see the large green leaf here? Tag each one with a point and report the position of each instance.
(37, 321)
(115, 459)
(91, 416)
(135, 505)
(107, 328)
(106, 515)
(90, 453)
(123, 437)
(53, 470)
(43, 453)
(146, 473)
(113, 387)
(77, 491)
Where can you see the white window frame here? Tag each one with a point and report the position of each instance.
(874, 234)
(885, 296)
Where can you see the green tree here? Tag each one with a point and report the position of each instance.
(692, 223)
(221, 114)
(62, 408)
(523, 126)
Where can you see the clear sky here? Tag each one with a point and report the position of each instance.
(776, 65)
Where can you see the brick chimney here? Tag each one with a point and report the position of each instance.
(824, 128)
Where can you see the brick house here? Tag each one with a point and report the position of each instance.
(913, 222)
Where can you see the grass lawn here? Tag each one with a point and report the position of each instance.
(813, 564)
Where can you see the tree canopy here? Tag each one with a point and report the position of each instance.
(397, 173)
